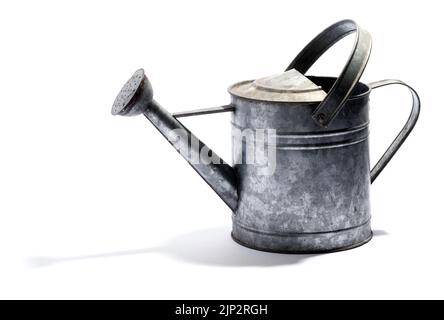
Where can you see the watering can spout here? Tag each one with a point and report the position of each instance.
(136, 97)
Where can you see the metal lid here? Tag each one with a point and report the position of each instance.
(290, 86)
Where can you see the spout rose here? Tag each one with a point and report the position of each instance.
(135, 96)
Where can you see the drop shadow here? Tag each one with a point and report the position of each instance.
(377, 233)
(211, 247)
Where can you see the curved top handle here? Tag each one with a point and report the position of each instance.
(350, 75)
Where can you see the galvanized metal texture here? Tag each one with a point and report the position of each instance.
(350, 75)
(317, 199)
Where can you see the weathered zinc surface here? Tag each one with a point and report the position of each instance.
(318, 197)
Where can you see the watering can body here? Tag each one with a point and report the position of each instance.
(317, 198)
(311, 190)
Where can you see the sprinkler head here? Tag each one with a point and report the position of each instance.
(135, 97)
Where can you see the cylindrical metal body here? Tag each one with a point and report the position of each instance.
(317, 199)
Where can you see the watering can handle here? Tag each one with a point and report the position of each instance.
(403, 134)
(350, 75)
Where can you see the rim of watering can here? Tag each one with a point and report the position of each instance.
(290, 86)
(365, 91)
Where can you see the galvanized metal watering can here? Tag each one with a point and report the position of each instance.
(316, 197)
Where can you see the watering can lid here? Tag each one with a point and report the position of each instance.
(290, 86)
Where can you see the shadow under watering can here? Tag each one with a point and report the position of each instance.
(317, 197)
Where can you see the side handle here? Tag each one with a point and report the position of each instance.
(403, 134)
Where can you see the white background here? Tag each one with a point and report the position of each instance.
(95, 206)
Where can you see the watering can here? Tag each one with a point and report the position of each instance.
(309, 192)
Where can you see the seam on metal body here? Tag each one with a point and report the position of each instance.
(310, 134)
(321, 145)
(336, 133)
(313, 146)
(298, 234)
